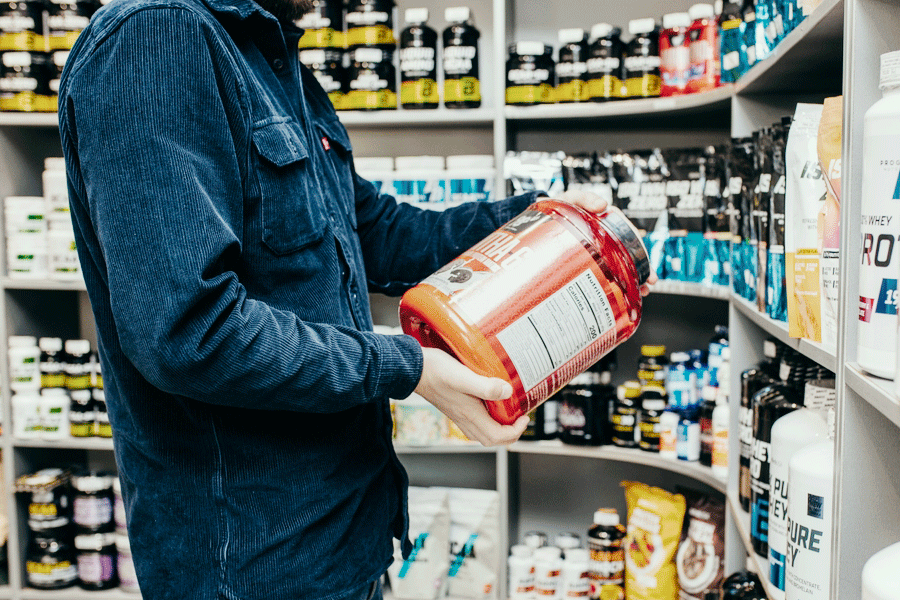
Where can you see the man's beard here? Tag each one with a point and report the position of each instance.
(287, 10)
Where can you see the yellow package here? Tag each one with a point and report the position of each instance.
(655, 518)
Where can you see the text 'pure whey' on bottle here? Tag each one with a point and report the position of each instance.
(498, 307)
(462, 86)
(880, 224)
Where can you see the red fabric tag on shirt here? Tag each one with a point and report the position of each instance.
(326, 144)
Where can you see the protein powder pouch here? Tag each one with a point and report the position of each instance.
(741, 169)
(474, 543)
(571, 68)
(589, 173)
(327, 67)
(323, 25)
(776, 291)
(642, 77)
(655, 517)
(717, 225)
(829, 227)
(462, 85)
(418, 62)
(674, 54)
(640, 179)
(759, 217)
(731, 36)
(22, 25)
(553, 261)
(605, 64)
(370, 23)
(877, 337)
(804, 195)
(530, 74)
(701, 554)
(534, 172)
(687, 210)
(422, 576)
(372, 80)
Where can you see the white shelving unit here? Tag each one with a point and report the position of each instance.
(810, 64)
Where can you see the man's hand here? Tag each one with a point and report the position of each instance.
(593, 203)
(457, 391)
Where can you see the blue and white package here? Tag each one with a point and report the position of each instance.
(420, 179)
(377, 171)
(681, 381)
(748, 43)
(470, 178)
(717, 226)
(741, 171)
(764, 25)
(687, 211)
(731, 37)
(776, 292)
(702, 375)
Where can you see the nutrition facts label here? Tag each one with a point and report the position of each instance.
(557, 329)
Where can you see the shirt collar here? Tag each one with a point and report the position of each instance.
(243, 9)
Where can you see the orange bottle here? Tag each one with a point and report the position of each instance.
(536, 302)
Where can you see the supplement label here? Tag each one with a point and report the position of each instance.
(548, 336)
(92, 512)
(464, 89)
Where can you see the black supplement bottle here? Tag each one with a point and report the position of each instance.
(642, 76)
(53, 361)
(418, 62)
(462, 86)
(529, 74)
(328, 68)
(653, 403)
(606, 543)
(605, 63)
(624, 418)
(372, 84)
(584, 406)
(370, 24)
(323, 25)
(571, 68)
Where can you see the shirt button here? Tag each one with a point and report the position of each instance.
(278, 64)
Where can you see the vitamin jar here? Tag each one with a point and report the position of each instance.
(536, 302)
(372, 78)
(328, 68)
(21, 25)
(97, 557)
(92, 504)
(24, 82)
(50, 559)
(530, 74)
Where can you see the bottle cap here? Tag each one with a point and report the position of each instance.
(601, 30)
(673, 20)
(701, 11)
(530, 48)
(521, 551)
(726, 353)
(577, 555)
(655, 404)
(314, 56)
(92, 483)
(654, 387)
(457, 14)
(22, 341)
(368, 55)
(606, 517)
(547, 553)
(123, 544)
(78, 347)
(535, 539)
(679, 357)
(719, 5)
(629, 389)
(16, 59)
(416, 16)
(568, 540)
(571, 36)
(471, 161)
(383, 164)
(890, 70)
(60, 58)
(770, 348)
(54, 163)
(641, 26)
(653, 351)
(95, 542)
(418, 163)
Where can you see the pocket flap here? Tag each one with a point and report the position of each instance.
(337, 133)
(280, 143)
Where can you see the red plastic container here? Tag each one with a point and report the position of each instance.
(674, 54)
(535, 303)
(706, 68)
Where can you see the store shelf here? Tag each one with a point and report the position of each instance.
(420, 118)
(67, 444)
(5, 592)
(681, 288)
(694, 470)
(880, 393)
(75, 593)
(742, 520)
(779, 330)
(712, 101)
(42, 284)
(473, 448)
(807, 59)
(14, 119)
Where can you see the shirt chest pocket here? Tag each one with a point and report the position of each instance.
(339, 152)
(291, 205)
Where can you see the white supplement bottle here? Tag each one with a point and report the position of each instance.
(521, 573)
(421, 180)
(790, 434)
(24, 363)
(377, 170)
(880, 225)
(56, 189)
(54, 410)
(26, 415)
(668, 435)
(880, 575)
(470, 178)
(810, 504)
(576, 575)
(547, 571)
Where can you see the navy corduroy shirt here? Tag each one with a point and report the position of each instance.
(228, 248)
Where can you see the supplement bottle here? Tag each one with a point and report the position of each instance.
(102, 428)
(24, 82)
(535, 539)
(879, 576)
(575, 580)
(606, 540)
(752, 381)
(642, 62)
(810, 506)
(125, 565)
(880, 224)
(24, 363)
(547, 571)
(668, 434)
(701, 373)
(652, 365)
(521, 573)
(324, 25)
(53, 373)
(706, 428)
(50, 560)
(66, 19)
(462, 85)
(571, 68)
(790, 434)
(674, 54)
(328, 68)
(470, 178)
(770, 404)
(566, 542)
(605, 64)
(49, 505)
(529, 74)
(82, 414)
(653, 402)
(584, 409)
(721, 423)
(681, 381)
(538, 261)
(92, 502)
(370, 23)
(418, 62)
(688, 445)
(625, 414)
(22, 25)
(26, 414)
(96, 557)
(372, 80)
(704, 48)
(420, 179)
(78, 365)
(717, 347)
(54, 410)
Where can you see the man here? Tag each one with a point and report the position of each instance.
(228, 246)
